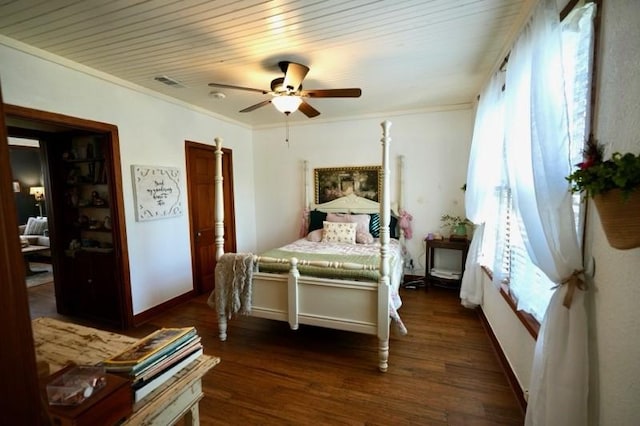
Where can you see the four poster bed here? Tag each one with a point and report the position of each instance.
(311, 281)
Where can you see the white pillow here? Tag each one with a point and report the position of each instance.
(334, 232)
(362, 230)
(36, 226)
(315, 236)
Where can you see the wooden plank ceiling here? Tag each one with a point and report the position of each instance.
(404, 54)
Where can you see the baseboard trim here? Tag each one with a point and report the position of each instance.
(149, 314)
(504, 364)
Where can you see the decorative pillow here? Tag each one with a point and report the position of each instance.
(364, 237)
(36, 226)
(335, 232)
(362, 220)
(393, 227)
(315, 236)
(337, 217)
(374, 226)
(316, 218)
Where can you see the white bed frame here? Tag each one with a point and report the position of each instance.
(357, 306)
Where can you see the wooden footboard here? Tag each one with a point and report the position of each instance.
(357, 306)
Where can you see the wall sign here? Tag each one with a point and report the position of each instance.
(157, 192)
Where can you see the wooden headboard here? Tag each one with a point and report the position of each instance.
(350, 204)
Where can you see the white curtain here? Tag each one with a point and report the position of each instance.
(484, 175)
(537, 152)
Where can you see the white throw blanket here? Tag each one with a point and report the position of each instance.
(232, 292)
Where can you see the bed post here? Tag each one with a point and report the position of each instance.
(218, 201)
(292, 291)
(384, 293)
(401, 194)
(304, 223)
(219, 224)
(306, 184)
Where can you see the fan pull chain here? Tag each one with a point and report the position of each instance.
(286, 120)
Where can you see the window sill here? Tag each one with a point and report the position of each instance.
(530, 323)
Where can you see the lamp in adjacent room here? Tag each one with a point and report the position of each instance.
(286, 103)
(38, 193)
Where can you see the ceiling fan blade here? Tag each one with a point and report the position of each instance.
(332, 93)
(229, 86)
(308, 110)
(293, 74)
(256, 106)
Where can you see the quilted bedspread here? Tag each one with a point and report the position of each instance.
(364, 254)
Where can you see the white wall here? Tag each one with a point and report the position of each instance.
(612, 301)
(615, 296)
(152, 131)
(435, 145)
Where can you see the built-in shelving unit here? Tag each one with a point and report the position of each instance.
(83, 194)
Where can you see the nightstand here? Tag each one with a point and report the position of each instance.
(444, 278)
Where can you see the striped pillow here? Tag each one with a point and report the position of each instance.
(36, 226)
(374, 226)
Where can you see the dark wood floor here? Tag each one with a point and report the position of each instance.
(442, 373)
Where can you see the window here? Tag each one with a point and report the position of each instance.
(527, 284)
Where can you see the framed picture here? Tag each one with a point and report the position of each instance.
(157, 192)
(336, 182)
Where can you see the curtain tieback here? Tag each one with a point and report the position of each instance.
(574, 281)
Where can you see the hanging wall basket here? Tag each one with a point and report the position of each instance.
(620, 218)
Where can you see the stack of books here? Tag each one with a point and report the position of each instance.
(156, 358)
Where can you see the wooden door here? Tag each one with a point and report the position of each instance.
(19, 388)
(201, 186)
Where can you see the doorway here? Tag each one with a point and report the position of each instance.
(200, 160)
(26, 159)
(92, 283)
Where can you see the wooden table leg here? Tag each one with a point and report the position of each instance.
(192, 417)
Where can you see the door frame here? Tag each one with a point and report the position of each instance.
(18, 370)
(228, 201)
(43, 119)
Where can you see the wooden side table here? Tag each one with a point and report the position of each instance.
(57, 342)
(432, 246)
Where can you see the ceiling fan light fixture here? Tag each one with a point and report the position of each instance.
(286, 103)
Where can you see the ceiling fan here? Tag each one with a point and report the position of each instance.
(288, 94)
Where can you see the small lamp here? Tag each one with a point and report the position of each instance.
(286, 103)
(38, 193)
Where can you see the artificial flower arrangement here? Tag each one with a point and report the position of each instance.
(596, 176)
(613, 185)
